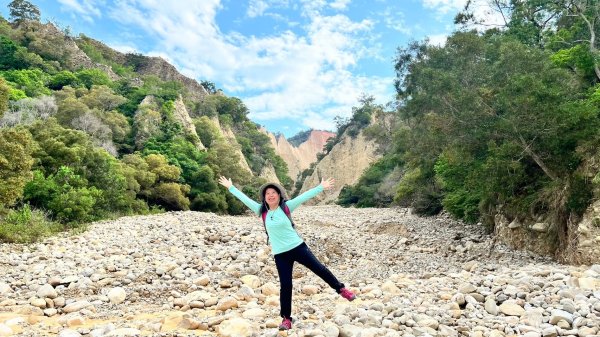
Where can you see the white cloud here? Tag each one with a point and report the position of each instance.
(123, 48)
(340, 4)
(395, 21)
(484, 10)
(487, 14)
(86, 8)
(256, 8)
(304, 77)
(259, 7)
(445, 6)
(438, 39)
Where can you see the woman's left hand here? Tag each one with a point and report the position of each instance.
(327, 183)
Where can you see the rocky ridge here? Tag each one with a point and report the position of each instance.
(199, 274)
(299, 158)
(346, 162)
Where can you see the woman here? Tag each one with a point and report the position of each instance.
(287, 246)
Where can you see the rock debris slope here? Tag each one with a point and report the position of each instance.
(199, 274)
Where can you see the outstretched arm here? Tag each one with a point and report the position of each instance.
(325, 184)
(253, 205)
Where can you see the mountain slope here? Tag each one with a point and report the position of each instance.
(299, 158)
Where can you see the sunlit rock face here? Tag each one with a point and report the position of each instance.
(299, 158)
(346, 162)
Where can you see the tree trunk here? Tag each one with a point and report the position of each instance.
(590, 25)
(537, 159)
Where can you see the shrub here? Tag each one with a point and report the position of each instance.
(24, 225)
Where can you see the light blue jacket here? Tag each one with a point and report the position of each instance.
(282, 236)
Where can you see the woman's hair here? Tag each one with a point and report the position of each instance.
(264, 207)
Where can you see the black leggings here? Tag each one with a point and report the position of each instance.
(285, 265)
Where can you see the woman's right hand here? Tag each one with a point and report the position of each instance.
(225, 182)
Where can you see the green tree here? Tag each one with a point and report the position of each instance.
(65, 195)
(138, 176)
(167, 192)
(103, 98)
(172, 196)
(209, 86)
(206, 130)
(4, 96)
(510, 97)
(146, 124)
(8, 48)
(90, 77)
(62, 79)
(16, 149)
(70, 109)
(23, 10)
(225, 160)
(32, 81)
(58, 146)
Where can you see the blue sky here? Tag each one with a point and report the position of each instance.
(296, 64)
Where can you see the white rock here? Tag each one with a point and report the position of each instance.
(5, 289)
(251, 280)
(254, 313)
(50, 312)
(117, 295)
(558, 315)
(69, 333)
(47, 291)
(227, 303)
(204, 280)
(467, 288)
(236, 327)
(5, 330)
(330, 330)
(511, 309)
(269, 288)
(124, 332)
(38, 302)
(550, 332)
(491, 307)
(390, 287)
(310, 289)
(76, 306)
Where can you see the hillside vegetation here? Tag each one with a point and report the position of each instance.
(498, 121)
(88, 133)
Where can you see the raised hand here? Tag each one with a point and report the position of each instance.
(225, 182)
(327, 183)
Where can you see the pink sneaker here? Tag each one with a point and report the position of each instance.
(286, 324)
(347, 294)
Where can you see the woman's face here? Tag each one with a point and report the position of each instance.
(271, 197)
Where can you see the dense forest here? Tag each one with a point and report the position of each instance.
(498, 120)
(81, 143)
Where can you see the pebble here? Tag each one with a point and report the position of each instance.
(176, 273)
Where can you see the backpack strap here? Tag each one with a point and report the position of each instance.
(287, 212)
(264, 219)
